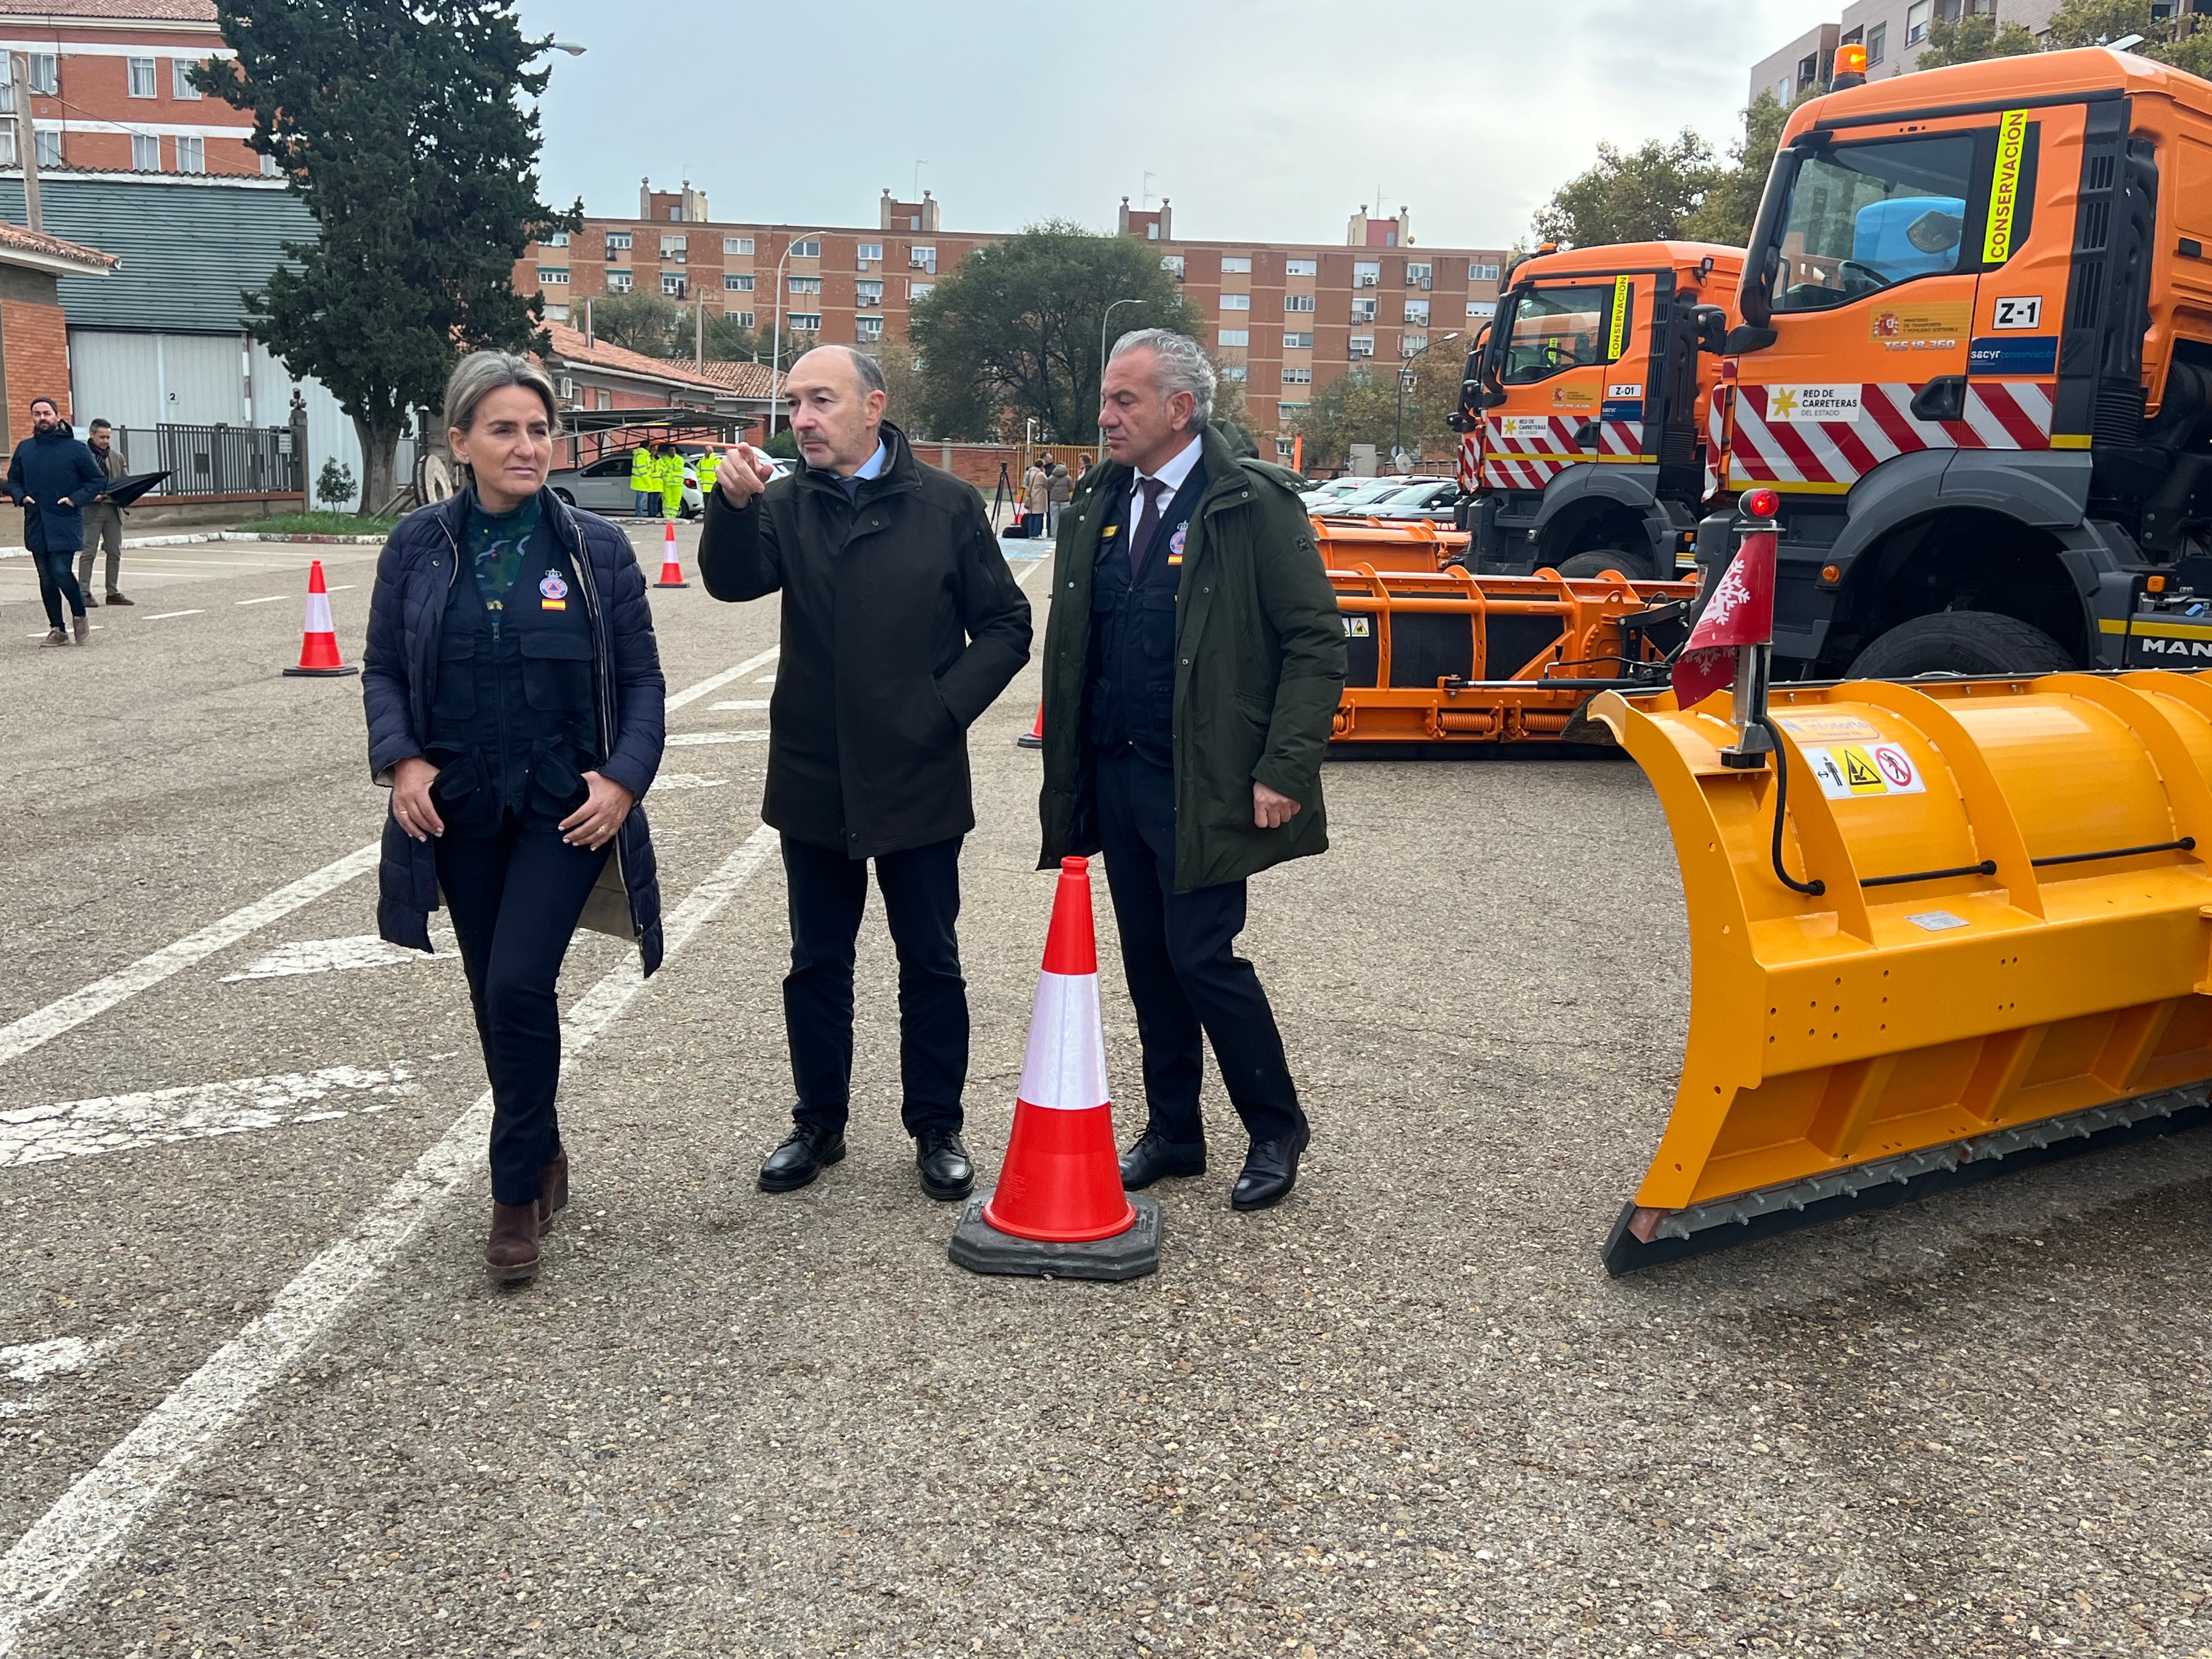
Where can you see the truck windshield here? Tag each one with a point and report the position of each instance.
(1554, 328)
(1864, 217)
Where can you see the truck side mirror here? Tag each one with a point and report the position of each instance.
(1712, 328)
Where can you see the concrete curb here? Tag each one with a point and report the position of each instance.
(189, 540)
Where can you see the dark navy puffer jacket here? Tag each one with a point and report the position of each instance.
(399, 673)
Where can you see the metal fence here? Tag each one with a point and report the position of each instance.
(214, 460)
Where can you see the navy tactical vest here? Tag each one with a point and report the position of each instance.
(1133, 626)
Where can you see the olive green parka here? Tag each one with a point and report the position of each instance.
(1259, 670)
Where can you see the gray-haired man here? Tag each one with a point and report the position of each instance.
(1193, 664)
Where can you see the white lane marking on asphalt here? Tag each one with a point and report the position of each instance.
(164, 615)
(687, 780)
(765, 679)
(35, 1363)
(33, 1030)
(691, 694)
(151, 1117)
(338, 956)
(266, 598)
(344, 587)
(1023, 580)
(751, 702)
(90, 1521)
(41, 1026)
(693, 739)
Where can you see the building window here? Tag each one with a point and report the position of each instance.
(1482, 308)
(1916, 30)
(602, 398)
(1416, 311)
(1235, 337)
(618, 281)
(1296, 341)
(922, 258)
(804, 322)
(742, 319)
(1297, 302)
(920, 291)
(809, 249)
(141, 73)
(145, 153)
(1172, 263)
(7, 144)
(867, 293)
(49, 151)
(1416, 276)
(7, 93)
(1235, 372)
(191, 155)
(1877, 42)
(1236, 302)
(558, 239)
(868, 329)
(1412, 346)
(1285, 448)
(1363, 311)
(1238, 263)
(1297, 377)
(553, 276)
(45, 72)
(871, 253)
(1361, 345)
(675, 249)
(1482, 273)
(1366, 273)
(735, 283)
(1153, 231)
(1287, 410)
(180, 79)
(672, 284)
(806, 284)
(1301, 267)
(268, 167)
(616, 239)
(736, 245)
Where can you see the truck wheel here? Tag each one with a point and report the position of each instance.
(1962, 642)
(1598, 561)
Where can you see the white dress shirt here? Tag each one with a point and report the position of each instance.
(1172, 473)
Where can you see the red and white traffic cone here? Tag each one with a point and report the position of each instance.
(1059, 1211)
(672, 571)
(319, 640)
(1034, 739)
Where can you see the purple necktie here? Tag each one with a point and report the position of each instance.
(1148, 522)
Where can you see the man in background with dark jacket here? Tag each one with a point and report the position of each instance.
(901, 625)
(103, 519)
(51, 478)
(1193, 665)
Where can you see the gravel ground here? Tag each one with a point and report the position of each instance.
(1404, 1414)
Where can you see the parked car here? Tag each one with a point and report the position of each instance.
(602, 486)
(1433, 499)
(1354, 494)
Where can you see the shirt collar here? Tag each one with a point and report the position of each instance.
(874, 465)
(1173, 471)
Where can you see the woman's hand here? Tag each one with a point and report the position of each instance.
(411, 798)
(594, 822)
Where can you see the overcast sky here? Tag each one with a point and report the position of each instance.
(1262, 121)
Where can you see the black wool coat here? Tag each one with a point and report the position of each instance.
(398, 676)
(58, 472)
(902, 624)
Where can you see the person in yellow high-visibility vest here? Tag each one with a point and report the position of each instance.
(671, 480)
(709, 460)
(644, 482)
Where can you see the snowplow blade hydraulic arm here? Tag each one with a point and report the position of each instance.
(2008, 958)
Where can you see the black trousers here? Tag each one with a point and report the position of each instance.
(516, 896)
(1184, 976)
(921, 902)
(57, 582)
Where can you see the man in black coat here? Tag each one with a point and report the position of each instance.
(51, 476)
(901, 625)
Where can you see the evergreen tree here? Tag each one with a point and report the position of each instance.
(398, 124)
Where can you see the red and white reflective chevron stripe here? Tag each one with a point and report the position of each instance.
(1620, 438)
(1525, 437)
(1525, 471)
(1999, 415)
(1470, 463)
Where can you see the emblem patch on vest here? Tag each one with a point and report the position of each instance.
(1176, 541)
(552, 591)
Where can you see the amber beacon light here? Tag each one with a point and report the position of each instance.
(1850, 67)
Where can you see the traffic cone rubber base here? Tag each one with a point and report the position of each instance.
(319, 674)
(1131, 1254)
(1034, 738)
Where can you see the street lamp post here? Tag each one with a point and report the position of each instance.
(776, 347)
(1406, 379)
(1102, 321)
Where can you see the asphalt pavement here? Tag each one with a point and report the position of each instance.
(256, 1397)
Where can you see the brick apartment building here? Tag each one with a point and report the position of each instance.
(1894, 34)
(1283, 319)
(108, 92)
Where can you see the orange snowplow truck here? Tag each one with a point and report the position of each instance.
(1586, 408)
(1975, 362)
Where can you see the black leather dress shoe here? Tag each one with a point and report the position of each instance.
(805, 1153)
(1271, 1170)
(1154, 1158)
(947, 1171)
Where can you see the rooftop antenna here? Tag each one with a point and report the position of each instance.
(918, 165)
(1148, 188)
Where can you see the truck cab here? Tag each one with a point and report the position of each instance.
(1591, 442)
(1976, 364)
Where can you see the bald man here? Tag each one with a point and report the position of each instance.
(901, 625)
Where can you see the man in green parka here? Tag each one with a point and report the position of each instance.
(1193, 664)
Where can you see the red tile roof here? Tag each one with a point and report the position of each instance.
(19, 239)
(747, 379)
(568, 344)
(158, 11)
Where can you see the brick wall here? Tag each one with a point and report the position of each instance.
(33, 363)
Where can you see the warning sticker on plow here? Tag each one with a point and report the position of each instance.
(1873, 769)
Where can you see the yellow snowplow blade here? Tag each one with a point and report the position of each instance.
(2011, 960)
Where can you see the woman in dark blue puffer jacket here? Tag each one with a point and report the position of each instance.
(516, 710)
